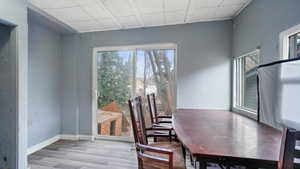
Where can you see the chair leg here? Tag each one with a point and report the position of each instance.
(202, 165)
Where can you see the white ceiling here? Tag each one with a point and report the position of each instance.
(101, 15)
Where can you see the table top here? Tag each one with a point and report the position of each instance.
(226, 134)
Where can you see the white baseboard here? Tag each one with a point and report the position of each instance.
(69, 137)
(42, 145)
(115, 138)
(86, 137)
(54, 139)
(76, 137)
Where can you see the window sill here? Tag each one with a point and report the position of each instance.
(245, 112)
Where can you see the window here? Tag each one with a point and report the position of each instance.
(245, 82)
(290, 43)
(294, 45)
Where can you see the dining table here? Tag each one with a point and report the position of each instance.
(227, 138)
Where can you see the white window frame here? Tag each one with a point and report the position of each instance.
(284, 41)
(235, 107)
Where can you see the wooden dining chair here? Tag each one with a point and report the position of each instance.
(156, 118)
(163, 155)
(156, 132)
(162, 120)
(289, 151)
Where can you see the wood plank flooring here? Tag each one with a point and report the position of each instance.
(98, 154)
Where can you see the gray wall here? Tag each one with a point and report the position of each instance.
(260, 24)
(7, 97)
(204, 57)
(45, 82)
(15, 12)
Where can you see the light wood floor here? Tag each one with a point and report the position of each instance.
(86, 155)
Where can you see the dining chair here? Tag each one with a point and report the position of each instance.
(156, 118)
(162, 120)
(289, 152)
(157, 132)
(162, 155)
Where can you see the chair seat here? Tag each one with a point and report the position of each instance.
(161, 136)
(178, 160)
(158, 133)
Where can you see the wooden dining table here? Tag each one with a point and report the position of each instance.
(229, 138)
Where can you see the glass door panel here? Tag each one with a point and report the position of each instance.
(156, 74)
(114, 84)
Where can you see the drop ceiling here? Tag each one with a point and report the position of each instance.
(102, 15)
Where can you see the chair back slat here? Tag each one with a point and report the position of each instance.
(287, 151)
(152, 107)
(138, 121)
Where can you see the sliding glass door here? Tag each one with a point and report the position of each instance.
(125, 72)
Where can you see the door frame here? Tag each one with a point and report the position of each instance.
(95, 84)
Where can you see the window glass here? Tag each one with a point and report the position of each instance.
(246, 81)
(294, 46)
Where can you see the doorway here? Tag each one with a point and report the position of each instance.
(120, 73)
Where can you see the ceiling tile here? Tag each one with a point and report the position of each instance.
(91, 28)
(86, 2)
(129, 21)
(175, 5)
(96, 11)
(84, 26)
(234, 2)
(87, 23)
(205, 3)
(150, 6)
(107, 23)
(69, 14)
(201, 14)
(53, 4)
(154, 19)
(227, 11)
(175, 17)
(119, 7)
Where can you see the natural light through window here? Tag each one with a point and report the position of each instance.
(290, 43)
(294, 46)
(125, 72)
(245, 82)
